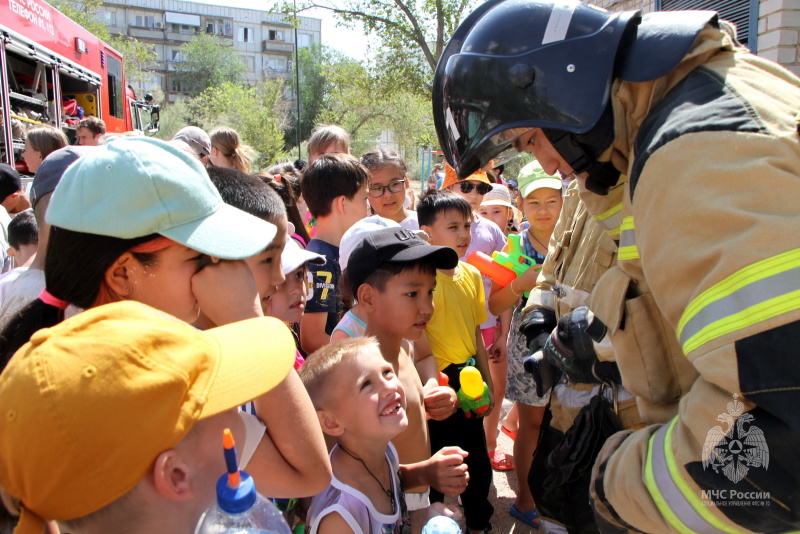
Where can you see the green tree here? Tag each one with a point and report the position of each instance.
(256, 113)
(313, 87)
(138, 57)
(207, 62)
(412, 34)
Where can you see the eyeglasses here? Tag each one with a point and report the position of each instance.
(376, 191)
(467, 187)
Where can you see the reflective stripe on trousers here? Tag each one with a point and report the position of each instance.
(678, 503)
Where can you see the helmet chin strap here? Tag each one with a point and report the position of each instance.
(581, 152)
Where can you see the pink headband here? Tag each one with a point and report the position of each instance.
(49, 299)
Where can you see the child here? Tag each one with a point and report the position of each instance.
(496, 206)
(541, 204)
(252, 195)
(23, 241)
(361, 402)
(455, 335)
(330, 139)
(486, 237)
(284, 178)
(12, 195)
(354, 321)
(335, 189)
(388, 187)
(393, 269)
(227, 150)
(125, 433)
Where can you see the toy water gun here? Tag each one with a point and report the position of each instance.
(444, 380)
(474, 393)
(503, 267)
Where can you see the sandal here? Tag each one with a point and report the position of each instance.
(530, 518)
(510, 433)
(500, 461)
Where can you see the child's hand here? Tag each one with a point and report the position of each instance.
(440, 402)
(226, 292)
(447, 470)
(527, 280)
(497, 353)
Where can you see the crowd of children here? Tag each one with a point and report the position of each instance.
(372, 301)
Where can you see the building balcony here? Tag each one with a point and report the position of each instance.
(145, 33)
(174, 36)
(277, 46)
(272, 74)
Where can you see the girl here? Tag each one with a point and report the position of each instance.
(39, 143)
(541, 205)
(228, 151)
(139, 219)
(497, 207)
(284, 178)
(388, 187)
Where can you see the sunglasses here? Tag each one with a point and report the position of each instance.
(467, 187)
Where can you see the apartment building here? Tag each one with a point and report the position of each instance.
(770, 28)
(265, 42)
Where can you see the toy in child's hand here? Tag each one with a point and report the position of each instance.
(474, 393)
(444, 380)
(503, 267)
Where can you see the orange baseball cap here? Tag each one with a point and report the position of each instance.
(88, 405)
(451, 178)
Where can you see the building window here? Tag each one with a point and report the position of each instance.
(144, 21)
(108, 18)
(276, 35)
(304, 40)
(176, 55)
(246, 35)
(228, 29)
(210, 28)
(742, 13)
(176, 86)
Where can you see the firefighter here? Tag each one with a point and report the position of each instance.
(702, 309)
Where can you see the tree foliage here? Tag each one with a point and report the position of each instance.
(313, 87)
(138, 57)
(412, 34)
(256, 113)
(207, 62)
(357, 99)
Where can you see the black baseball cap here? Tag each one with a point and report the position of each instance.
(10, 181)
(393, 245)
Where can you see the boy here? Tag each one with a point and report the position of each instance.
(125, 433)
(12, 195)
(361, 402)
(335, 190)
(393, 269)
(255, 197)
(455, 336)
(330, 139)
(23, 240)
(91, 131)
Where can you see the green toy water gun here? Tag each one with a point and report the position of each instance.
(503, 267)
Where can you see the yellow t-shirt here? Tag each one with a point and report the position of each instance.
(459, 307)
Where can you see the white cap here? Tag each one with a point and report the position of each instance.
(356, 234)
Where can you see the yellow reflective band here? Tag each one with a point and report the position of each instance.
(756, 293)
(628, 253)
(627, 241)
(676, 501)
(610, 220)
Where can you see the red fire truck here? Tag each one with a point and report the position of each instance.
(49, 68)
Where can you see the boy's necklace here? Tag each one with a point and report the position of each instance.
(530, 233)
(389, 492)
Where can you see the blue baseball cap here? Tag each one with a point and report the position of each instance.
(136, 186)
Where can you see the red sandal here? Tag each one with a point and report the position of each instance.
(510, 433)
(500, 461)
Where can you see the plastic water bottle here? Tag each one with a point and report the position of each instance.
(239, 508)
(441, 525)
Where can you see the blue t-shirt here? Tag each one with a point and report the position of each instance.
(326, 298)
